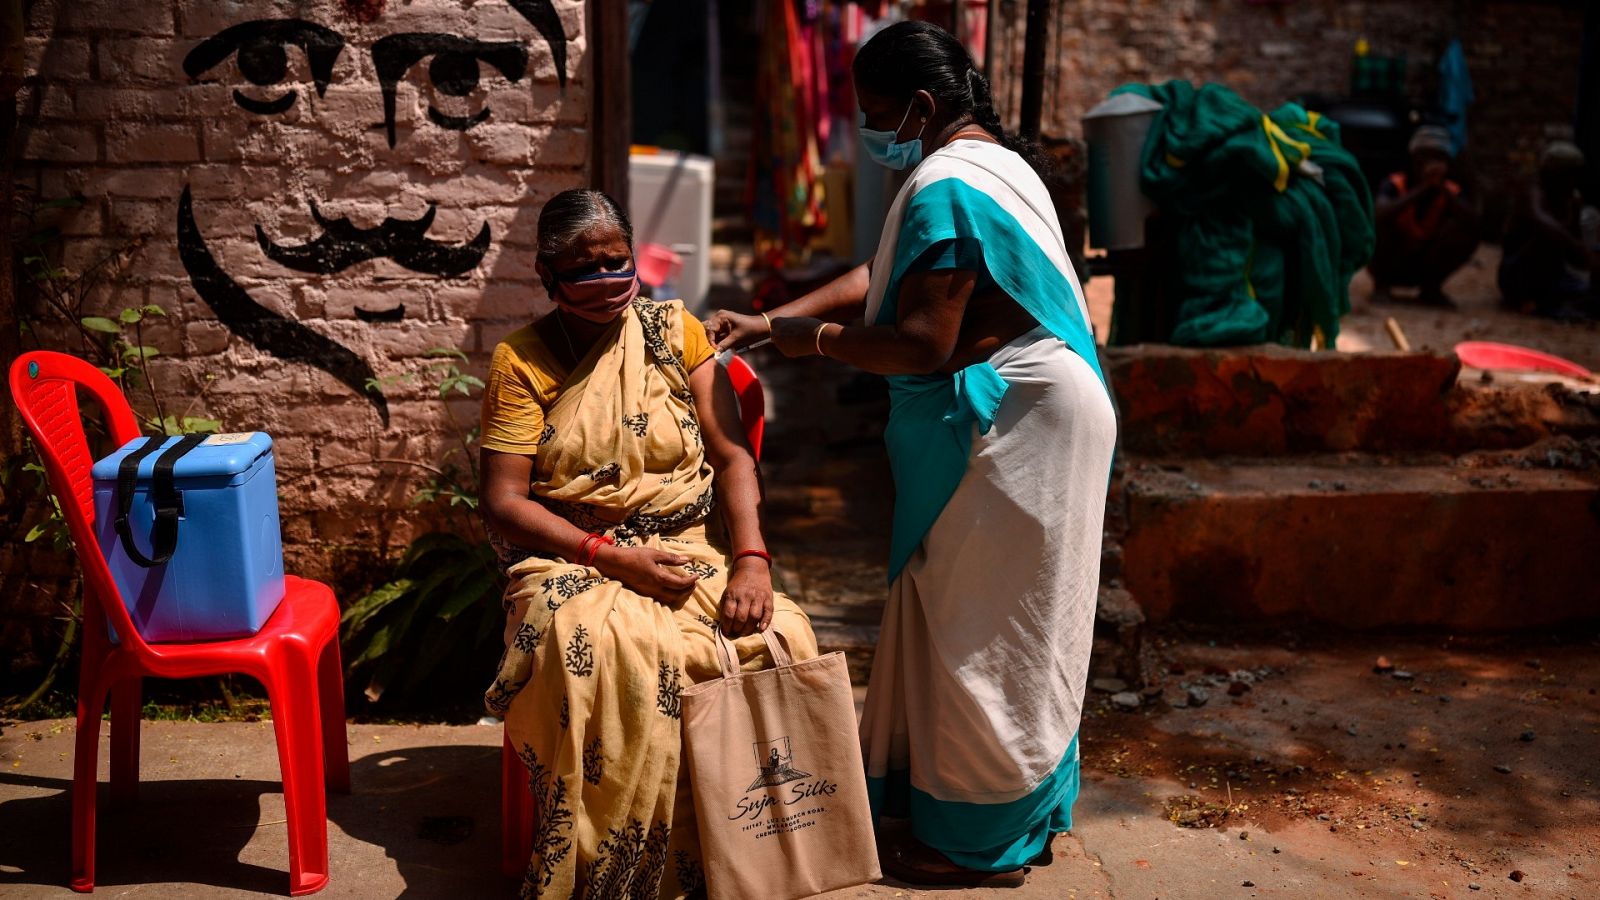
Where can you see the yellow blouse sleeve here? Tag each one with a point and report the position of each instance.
(696, 345)
(512, 418)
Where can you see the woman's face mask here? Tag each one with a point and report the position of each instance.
(882, 147)
(598, 298)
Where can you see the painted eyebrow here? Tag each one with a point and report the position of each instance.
(322, 45)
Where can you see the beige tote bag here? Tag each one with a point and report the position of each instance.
(779, 790)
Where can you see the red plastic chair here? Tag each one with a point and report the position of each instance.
(516, 801)
(295, 656)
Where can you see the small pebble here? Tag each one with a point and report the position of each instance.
(1244, 835)
(1516, 875)
(1474, 886)
(1401, 675)
(1503, 769)
(1527, 737)
(1126, 700)
(1444, 698)
(1109, 685)
(1276, 850)
(1534, 664)
(1198, 696)
(1247, 884)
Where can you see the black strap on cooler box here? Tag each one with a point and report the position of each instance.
(163, 493)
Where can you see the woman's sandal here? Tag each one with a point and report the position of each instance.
(913, 862)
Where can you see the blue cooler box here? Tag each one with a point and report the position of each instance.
(225, 574)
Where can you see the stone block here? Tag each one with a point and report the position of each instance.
(142, 183)
(60, 58)
(117, 17)
(1382, 545)
(134, 142)
(130, 218)
(128, 61)
(1269, 400)
(57, 142)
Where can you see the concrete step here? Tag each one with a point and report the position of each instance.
(1363, 543)
(1271, 401)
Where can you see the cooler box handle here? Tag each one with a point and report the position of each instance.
(163, 493)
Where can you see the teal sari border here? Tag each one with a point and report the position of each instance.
(991, 837)
(932, 417)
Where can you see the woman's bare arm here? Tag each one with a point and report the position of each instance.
(526, 523)
(919, 343)
(747, 603)
(516, 518)
(842, 298)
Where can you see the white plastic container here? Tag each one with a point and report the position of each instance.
(669, 200)
(1115, 131)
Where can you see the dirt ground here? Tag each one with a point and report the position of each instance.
(1426, 765)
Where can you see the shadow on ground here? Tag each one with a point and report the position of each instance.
(432, 810)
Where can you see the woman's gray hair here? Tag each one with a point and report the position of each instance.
(571, 213)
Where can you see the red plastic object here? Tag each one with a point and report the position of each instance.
(752, 402)
(295, 655)
(1490, 355)
(658, 264)
(516, 800)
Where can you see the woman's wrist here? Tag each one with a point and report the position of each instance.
(752, 560)
(826, 332)
(605, 558)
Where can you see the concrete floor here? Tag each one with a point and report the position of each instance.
(1343, 783)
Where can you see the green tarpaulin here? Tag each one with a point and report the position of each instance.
(1272, 216)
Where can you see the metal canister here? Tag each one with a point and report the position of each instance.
(1115, 131)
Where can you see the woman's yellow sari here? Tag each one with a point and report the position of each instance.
(592, 671)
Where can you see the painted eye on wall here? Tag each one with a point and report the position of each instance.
(261, 46)
(454, 70)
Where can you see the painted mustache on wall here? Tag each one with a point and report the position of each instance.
(282, 337)
(343, 245)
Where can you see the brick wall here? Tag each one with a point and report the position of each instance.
(1523, 57)
(190, 176)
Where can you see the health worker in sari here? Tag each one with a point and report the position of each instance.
(1000, 437)
(626, 505)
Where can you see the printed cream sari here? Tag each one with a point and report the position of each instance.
(592, 671)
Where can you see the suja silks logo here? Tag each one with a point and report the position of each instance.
(775, 767)
(775, 764)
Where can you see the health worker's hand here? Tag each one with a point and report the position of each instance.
(734, 331)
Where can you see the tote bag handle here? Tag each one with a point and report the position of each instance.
(728, 655)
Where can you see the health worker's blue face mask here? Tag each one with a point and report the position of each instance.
(884, 150)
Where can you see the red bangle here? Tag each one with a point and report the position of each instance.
(760, 554)
(590, 548)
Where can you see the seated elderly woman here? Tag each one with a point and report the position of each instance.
(625, 502)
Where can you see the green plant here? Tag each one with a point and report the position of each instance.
(127, 363)
(436, 622)
(439, 615)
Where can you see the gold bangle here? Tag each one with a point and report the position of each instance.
(819, 339)
(769, 324)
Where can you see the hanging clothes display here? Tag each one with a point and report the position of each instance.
(788, 200)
